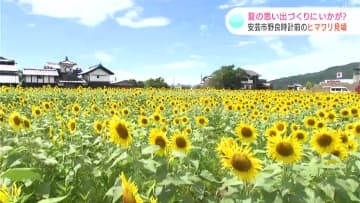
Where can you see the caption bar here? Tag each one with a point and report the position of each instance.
(293, 21)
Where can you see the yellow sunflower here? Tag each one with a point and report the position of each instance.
(356, 128)
(280, 126)
(242, 162)
(71, 125)
(324, 141)
(143, 121)
(180, 142)
(98, 127)
(310, 121)
(202, 121)
(75, 109)
(224, 144)
(246, 132)
(15, 120)
(158, 137)
(35, 111)
(157, 117)
(129, 191)
(271, 132)
(10, 194)
(120, 132)
(340, 152)
(300, 135)
(284, 149)
(26, 122)
(352, 145)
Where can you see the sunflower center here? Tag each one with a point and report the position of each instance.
(272, 133)
(37, 111)
(324, 140)
(201, 121)
(336, 153)
(76, 108)
(72, 126)
(157, 118)
(331, 116)
(122, 131)
(17, 120)
(357, 129)
(285, 149)
(280, 127)
(26, 123)
(98, 126)
(300, 136)
(246, 132)
(240, 162)
(320, 125)
(160, 142)
(180, 142)
(311, 122)
(144, 121)
(344, 138)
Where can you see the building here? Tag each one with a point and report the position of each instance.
(251, 80)
(69, 74)
(97, 76)
(296, 86)
(39, 77)
(9, 74)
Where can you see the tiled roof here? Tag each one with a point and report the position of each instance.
(8, 68)
(251, 73)
(98, 66)
(67, 61)
(50, 65)
(45, 72)
(9, 79)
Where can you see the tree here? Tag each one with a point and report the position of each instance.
(156, 83)
(227, 77)
(309, 84)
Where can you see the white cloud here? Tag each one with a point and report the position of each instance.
(238, 3)
(103, 56)
(277, 46)
(87, 12)
(31, 25)
(132, 19)
(246, 43)
(324, 53)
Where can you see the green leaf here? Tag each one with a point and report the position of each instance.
(208, 176)
(53, 200)
(328, 189)
(150, 149)
(19, 174)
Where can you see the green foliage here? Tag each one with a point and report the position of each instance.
(309, 84)
(156, 83)
(227, 77)
(329, 73)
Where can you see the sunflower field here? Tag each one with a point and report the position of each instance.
(155, 145)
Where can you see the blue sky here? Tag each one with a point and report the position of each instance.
(173, 39)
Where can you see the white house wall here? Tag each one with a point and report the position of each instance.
(98, 75)
(39, 79)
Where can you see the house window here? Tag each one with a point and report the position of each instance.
(98, 76)
(39, 77)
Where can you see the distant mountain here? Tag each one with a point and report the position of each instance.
(329, 73)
